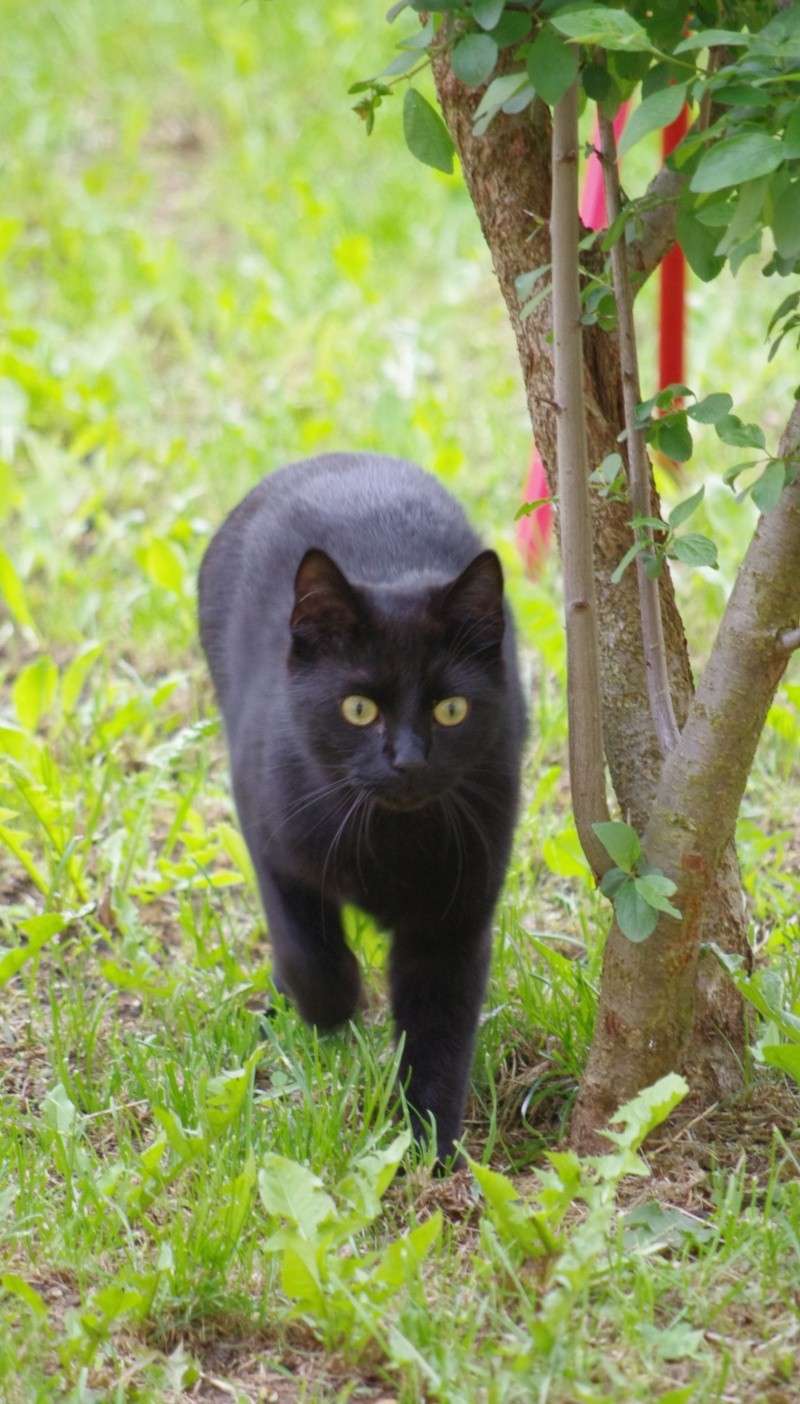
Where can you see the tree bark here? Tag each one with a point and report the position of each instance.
(508, 174)
(647, 995)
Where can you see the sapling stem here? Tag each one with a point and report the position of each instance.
(658, 689)
(586, 755)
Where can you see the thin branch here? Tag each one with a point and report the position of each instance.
(586, 755)
(659, 220)
(655, 653)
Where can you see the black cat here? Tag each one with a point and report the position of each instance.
(366, 669)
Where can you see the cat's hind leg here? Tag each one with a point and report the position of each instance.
(313, 963)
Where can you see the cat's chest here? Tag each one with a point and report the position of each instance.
(413, 867)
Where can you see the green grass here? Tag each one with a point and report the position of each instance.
(206, 270)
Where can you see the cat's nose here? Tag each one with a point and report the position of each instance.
(409, 756)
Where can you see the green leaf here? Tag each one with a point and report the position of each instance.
(610, 28)
(75, 675)
(610, 468)
(712, 38)
(656, 889)
(672, 436)
(22, 1290)
(791, 137)
(745, 218)
(520, 100)
(731, 430)
(635, 917)
(163, 564)
(34, 691)
(299, 1277)
(426, 136)
(711, 409)
(657, 110)
(224, 1095)
(630, 555)
(787, 305)
(552, 65)
(699, 245)
(499, 91)
(767, 491)
(13, 592)
(731, 474)
(497, 1189)
(742, 95)
(487, 12)
(621, 842)
(528, 508)
(760, 995)
(402, 1257)
(646, 1111)
(684, 510)
(400, 64)
(511, 28)
(59, 1111)
(474, 58)
(39, 930)
(612, 881)
(651, 1224)
(786, 221)
(737, 159)
(694, 549)
(291, 1191)
(370, 1176)
(785, 1056)
(526, 282)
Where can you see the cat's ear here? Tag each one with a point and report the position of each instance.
(325, 605)
(473, 603)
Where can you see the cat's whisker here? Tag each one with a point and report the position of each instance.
(485, 795)
(451, 820)
(363, 823)
(467, 810)
(335, 841)
(323, 792)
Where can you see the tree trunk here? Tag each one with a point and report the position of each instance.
(647, 993)
(509, 179)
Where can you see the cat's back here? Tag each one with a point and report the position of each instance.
(377, 516)
(380, 518)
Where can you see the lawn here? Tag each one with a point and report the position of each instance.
(207, 269)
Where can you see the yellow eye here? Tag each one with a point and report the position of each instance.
(452, 711)
(359, 711)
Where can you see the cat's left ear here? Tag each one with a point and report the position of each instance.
(325, 604)
(475, 598)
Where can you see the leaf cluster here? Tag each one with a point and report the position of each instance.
(639, 892)
(740, 160)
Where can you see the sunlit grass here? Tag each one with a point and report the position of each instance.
(206, 269)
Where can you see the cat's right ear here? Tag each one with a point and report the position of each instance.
(326, 607)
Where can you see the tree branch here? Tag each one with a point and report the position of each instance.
(658, 223)
(655, 654)
(648, 990)
(790, 640)
(586, 755)
(659, 220)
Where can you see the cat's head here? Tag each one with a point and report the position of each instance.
(398, 689)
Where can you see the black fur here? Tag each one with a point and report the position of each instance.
(357, 574)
